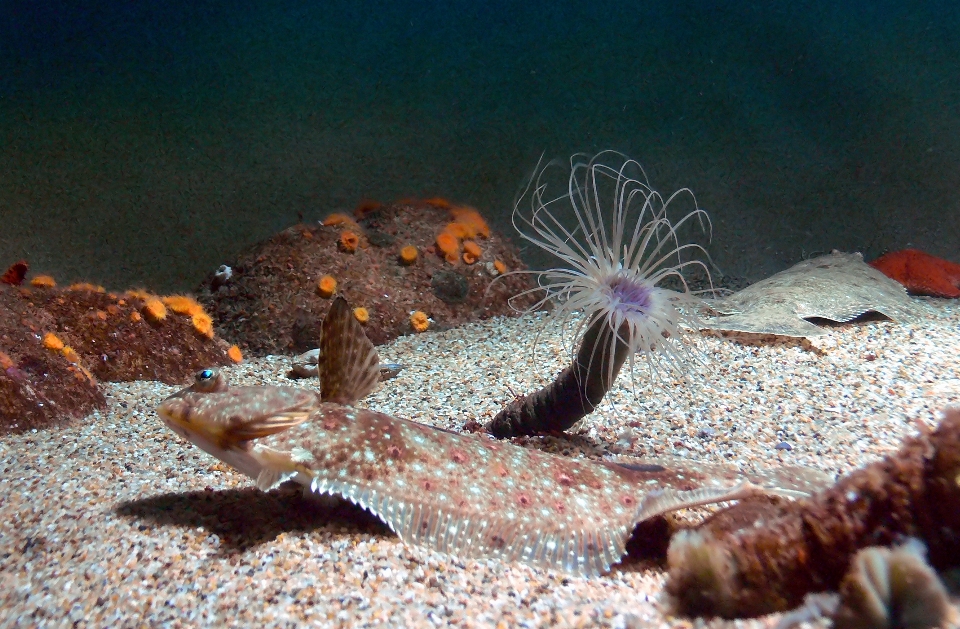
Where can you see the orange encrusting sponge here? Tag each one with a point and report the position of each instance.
(327, 286)
(235, 354)
(70, 354)
(96, 288)
(43, 281)
(349, 241)
(182, 304)
(202, 323)
(419, 321)
(463, 231)
(337, 219)
(449, 246)
(470, 216)
(408, 255)
(52, 342)
(154, 309)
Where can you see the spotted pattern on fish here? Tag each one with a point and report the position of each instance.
(473, 496)
(467, 495)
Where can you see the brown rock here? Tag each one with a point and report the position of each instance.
(270, 304)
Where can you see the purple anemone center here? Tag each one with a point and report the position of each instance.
(630, 294)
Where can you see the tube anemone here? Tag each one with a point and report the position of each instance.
(614, 257)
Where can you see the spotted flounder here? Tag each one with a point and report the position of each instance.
(463, 494)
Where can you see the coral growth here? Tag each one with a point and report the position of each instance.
(770, 564)
(202, 323)
(42, 281)
(182, 304)
(448, 244)
(235, 354)
(419, 321)
(340, 220)
(86, 286)
(327, 286)
(408, 255)
(153, 309)
(469, 216)
(361, 314)
(921, 273)
(52, 342)
(349, 241)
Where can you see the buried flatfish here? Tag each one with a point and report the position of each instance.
(462, 494)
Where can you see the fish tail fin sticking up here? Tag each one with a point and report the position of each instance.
(349, 367)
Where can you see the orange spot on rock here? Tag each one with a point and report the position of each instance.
(182, 304)
(87, 286)
(349, 241)
(408, 255)
(203, 324)
(419, 321)
(449, 245)
(43, 281)
(337, 219)
(470, 216)
(70, 354)
(462, 231)
(327, 286)
(52, 342)
(154, 310)
(235, 354)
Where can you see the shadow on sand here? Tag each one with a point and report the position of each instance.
(244, 518)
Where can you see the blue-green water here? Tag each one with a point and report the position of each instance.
(144, 143)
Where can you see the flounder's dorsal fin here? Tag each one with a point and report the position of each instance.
(349, 367)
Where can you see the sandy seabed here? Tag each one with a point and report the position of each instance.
(116, 522)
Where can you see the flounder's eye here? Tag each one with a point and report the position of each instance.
(209, 381)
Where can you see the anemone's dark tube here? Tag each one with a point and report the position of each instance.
(576, 391)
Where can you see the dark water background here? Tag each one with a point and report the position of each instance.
(144, 143)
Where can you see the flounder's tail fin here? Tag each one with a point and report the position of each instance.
(349, 367)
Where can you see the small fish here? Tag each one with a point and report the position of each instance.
(462, 494)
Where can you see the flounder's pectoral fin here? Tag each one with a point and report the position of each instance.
(266, 425)
(278, 466)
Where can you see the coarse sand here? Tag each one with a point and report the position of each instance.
(117, 522)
